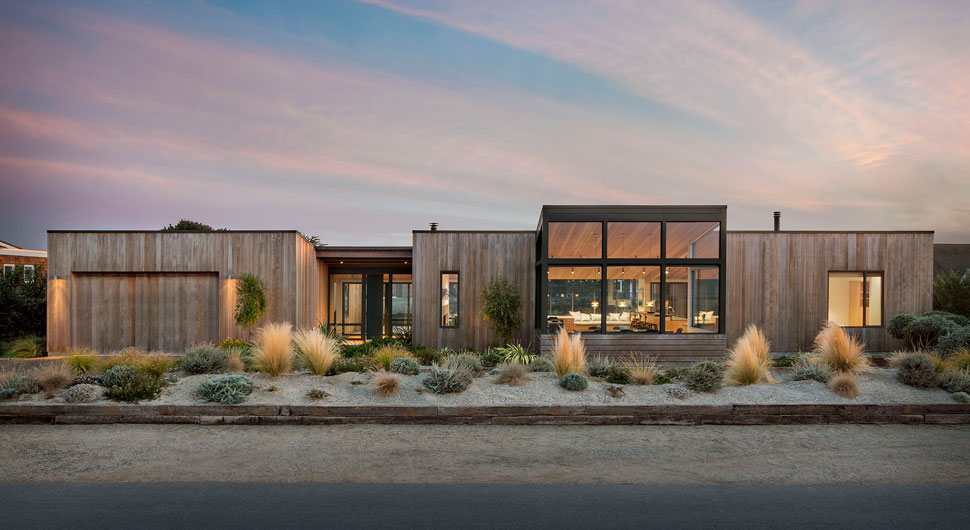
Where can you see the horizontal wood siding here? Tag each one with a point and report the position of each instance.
(779, 281)
(478, 257)
(272, 256)
(666, 348)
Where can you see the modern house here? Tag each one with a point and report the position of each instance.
(666, 281)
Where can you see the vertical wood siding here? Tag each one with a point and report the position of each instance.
(478, 257)
(169, 304)
(779, 281)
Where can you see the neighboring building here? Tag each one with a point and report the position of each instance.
(13, 256)
(665, 281)
(948, 257)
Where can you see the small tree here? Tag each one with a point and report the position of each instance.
(250, 300)
(502, 306)
(951, 293)
(23, 303)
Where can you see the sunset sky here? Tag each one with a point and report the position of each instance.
(360, 121)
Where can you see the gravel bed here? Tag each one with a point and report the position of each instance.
(877, 386)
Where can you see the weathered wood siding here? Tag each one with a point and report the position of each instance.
(478, 257)
(779, 281)
(177, 271)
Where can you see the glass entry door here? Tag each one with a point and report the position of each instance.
(371, 305)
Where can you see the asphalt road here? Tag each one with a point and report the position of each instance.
(468, 506)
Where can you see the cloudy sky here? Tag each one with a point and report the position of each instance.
(360, 121)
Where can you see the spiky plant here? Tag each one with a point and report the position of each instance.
(842, 352)
(274, 349)
(916, 369)
(315, 351)
(642, 371)
(512, 374)
(387, 353)
(599, 365)
(844, 384)
(954, 380)
(811, 367)
(748, 361)
(568, 354)
(386, 384)
(53, 376)
(81, 360)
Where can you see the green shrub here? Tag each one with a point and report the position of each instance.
(898, 324)
(704, 376)
(27, 348)
(23, 303)
(811, 368)
(250, 300)
(662, 378)
(492, 357)
(443, 380)
(427, 356)
(618, 376)
(502, 306)
(951, 292)
(916, 369)
(541, 364)
(785, 361)
(955, 340)
(464, 362)
(386, 354)
(13, 384)
(406, 366)
(233, 343)
(599, 366)
(204, 359)
(131, 385)
(961, 359)
(81, 362)
(954, 381)
(924, 332)
(515, 353)
(961, 397)
(156, 365)
(959, 320)
(226, 389)
(356, 364)
(573, 381)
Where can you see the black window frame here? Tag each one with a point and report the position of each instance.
(607, 214)
(441, 314)
(865, 286)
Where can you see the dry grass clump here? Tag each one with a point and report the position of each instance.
(512, 374)
(386, 384)
(82, 360)
(53, 376)
(840, 351)
(844, 384)
(387, 353)
(748, 362)
(129, 356)
(568, 354)
(315, 351)
(642, 372)
(274, 349)
(234, 359)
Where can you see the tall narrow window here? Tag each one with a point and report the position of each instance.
(449, 299)
(855, 298)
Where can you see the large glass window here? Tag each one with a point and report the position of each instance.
(347, 302)
(691, 304)
(631, 306)
(574, 297)
(449, 299)
(575, 240)
(855, 298)
(397, 304)
(633, 240)
(693, 240)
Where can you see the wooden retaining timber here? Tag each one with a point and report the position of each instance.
(666, 348)
(62, 414)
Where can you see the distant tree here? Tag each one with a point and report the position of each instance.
(951, 292)
(23, 304)
(194, 226)
(250, 301)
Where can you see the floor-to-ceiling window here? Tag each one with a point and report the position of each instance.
(631, 269)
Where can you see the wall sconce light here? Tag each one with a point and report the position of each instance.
(56, 277)
(230, 277)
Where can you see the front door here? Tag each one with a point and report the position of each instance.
(375, 306)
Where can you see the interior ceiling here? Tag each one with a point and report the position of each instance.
(627, 240)
(648, 274)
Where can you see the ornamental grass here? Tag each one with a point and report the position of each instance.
(748, 361)
(568, 354)
(315, 351)
(274, 348)
(840, 351)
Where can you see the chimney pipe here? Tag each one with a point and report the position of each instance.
(434, 227)
(777, 221)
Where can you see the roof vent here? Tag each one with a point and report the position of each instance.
(434, 227)
(777, 221)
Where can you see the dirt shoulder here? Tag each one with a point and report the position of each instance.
(823, 454)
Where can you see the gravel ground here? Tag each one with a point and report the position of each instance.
(877, 386)
(796, 454)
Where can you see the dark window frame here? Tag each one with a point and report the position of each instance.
(607, 214)
(865, 287)
(441, 314)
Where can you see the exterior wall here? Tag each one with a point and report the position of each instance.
(170, 261)
(478, 257)
(779, 281)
